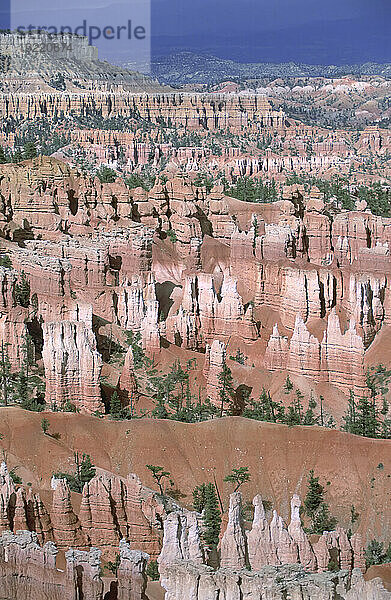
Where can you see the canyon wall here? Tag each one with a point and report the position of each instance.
(270, 558)
(28, 570)
(290, 287)
(186, 580)
(111, 508)
(193, 111)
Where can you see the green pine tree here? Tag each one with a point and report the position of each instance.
(212, 517)
(22, 291)
(85, 469)
(238, 477)
(45, 425)
(113, 565)
(159, 475)
(153, 570)
(367, 419)
(288, 385)
(387, 555)
(17, 156)
(160, 411)
(3, 158)
(309, 417)
(199, 497)
(266, 409)
(299, 404)
(25, 383)
(322, 520)
(314, 495)
(22, 389)
(378, 379)
(316, 508)
(295, 410)
(364, 417)
(226, 391)
(350, 417)
(134, 340)
(116, 410)
(321, 416)
(5, 261)
(107, 175)
(374, 553)
(6, 381)
(29, 151)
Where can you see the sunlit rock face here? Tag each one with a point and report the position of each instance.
(270, 559)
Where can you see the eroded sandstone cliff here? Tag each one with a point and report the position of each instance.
(263, 278)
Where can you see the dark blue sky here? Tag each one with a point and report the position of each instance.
(313, 31)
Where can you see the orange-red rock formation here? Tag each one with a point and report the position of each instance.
(66, 525)
(72, 366)
(111, 509)
(128, 382)
(28, 570)
(194, 111)
(227, 271)
(244, 558)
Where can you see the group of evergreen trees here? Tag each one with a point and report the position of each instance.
(315, 513)
(202, 180)
(28, 151)
(316, 508)
(116, 408)
(376, 555)
(365, 416)
(252, 190)
(205, 501)
(117, 411)
(378, 198)
(272, 411)
(173, 399)
(24, 387)
(106, 175)
(377, 195)
(146, 179)
(22, 290)
(226, 388)
(171, 392)
(83, 472)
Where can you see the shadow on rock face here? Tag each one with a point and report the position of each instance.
(112, 594)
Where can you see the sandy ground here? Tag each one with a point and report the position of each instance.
(155, 591)
(354, 470)
(382, 571)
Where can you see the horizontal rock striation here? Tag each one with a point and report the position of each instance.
(195, 111)
(28, 570)
(337, 359)
(292, 287)
(111, 509)
(186, 580)
(72, 366)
